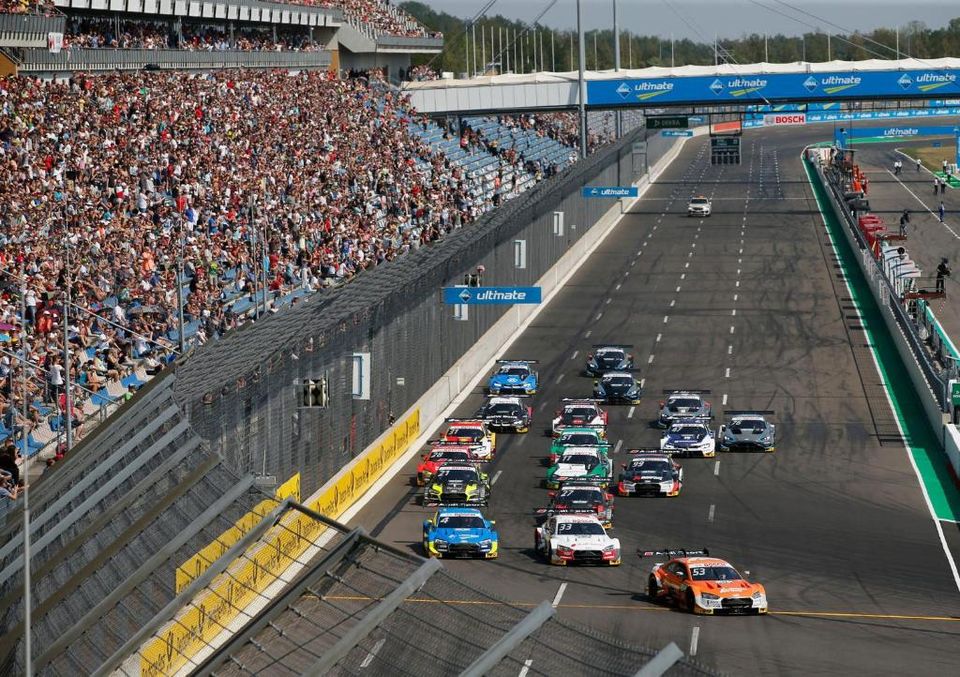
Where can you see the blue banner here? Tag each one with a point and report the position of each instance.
(753, 120)
(897, 132)
(763, 88)
(491, 295)
(678, 132)
(610, 191)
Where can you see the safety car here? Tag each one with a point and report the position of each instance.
(437, 456)
(576, 539)
(684, 404)
(580, 463)
(581, 498)
(617, 387)
(460, 532)
(650, 472)
(748, 430)
(473, 432)
(699, 206)
(582, 413)
(701, 584)
(608, 357)
(460, 483)
(689, 437)
(575, 437)
(508, 413)
(513, 377)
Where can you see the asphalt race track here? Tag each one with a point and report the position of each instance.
(748, 303)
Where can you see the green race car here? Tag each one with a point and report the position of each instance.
(576, 437)
(457, 483)
(585, 464)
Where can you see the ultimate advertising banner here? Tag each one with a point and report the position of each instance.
(768, 87)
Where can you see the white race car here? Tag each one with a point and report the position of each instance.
(699, 206)
(580, 414)
(576, 539)
(688, 438)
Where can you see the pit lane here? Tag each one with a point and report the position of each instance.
(834, 521)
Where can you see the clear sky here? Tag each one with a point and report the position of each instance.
(699, 20)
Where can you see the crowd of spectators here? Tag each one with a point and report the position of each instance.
(422, 73)
(379, 16)
(302, 181)
(44, 7)
(564, 127)
(93, 33)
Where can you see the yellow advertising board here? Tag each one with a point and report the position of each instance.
(215, 608)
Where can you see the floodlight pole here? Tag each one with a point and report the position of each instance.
(68, 386)
(616, 64)
(583, 85)
(27, 603)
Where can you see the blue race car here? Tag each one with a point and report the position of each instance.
(514, 377)
(460, 532)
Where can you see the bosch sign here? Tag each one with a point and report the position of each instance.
(785, 119)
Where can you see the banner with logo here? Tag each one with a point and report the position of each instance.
(763, 88)
(784, 119)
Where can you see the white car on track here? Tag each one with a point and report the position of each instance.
(699, 206)
(576, 539)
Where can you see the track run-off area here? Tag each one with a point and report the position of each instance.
(752, 304)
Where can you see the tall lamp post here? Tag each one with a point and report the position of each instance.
(27, 603)
(583, 85)
(68, 385)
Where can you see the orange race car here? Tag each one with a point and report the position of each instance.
(702, 584)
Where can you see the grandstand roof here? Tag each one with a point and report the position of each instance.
(689, 71)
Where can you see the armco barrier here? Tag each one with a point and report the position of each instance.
(951, 445)
(199, 623)
(927, 380)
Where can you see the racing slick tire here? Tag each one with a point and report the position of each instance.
(653, 590)
(690, 602)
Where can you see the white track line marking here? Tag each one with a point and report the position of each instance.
(609, 300)
(526, 667)
(633, 263)
(587, 335)
(543, 405)
(496, 477)
(659, 336)
(689, 254)
(650, 359)
(738, 283)
(630, 412)
(559, 595)
(738, 271)
(732, 328)
(678, 288)
(736, 296)
(733, 312)
(618, 286)
(600, 314)
(673, 302)
(726, 374)
(730, 350)
(616, 449)
(559, 378)
(665, 317)
(575, 353)
(694, 640)
(626, 273)
(683, 276)
(373, 653)
(724, 399)
(711, 512)
(643, 381)
(686, 265)
(716, 469)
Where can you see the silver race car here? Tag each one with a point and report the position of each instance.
(687, 405)
(748, 431)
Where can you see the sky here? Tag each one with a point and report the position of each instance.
(699, 20)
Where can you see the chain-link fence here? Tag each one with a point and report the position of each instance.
(243, 394)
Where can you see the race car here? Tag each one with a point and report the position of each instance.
(579, 414)
(473, 432)
(513, 377)
(608, 357)
(684, 404)
(699, 206)
(589, 464)
(650, 472)
(617, 387)
(575, 437)
(507, 414)
(460, 483)
(581, 498)
(688, 438)
(437, 456)
(701, 584)
(460, 532)
(748, 430)
(576, 539)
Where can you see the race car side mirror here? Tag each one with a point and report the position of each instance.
(551, 494)
(427, 524)
(493, 522)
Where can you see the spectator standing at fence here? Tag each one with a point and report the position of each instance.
(943, 270)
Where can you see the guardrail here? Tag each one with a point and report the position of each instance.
(28, 30)
(42, 61)
(231, 10)
(941, 345)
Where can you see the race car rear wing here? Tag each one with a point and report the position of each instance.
(647, 450)
(518, 361)
(613, 345)
(670, 553)
(592, 481)
(507, 397)
(549, 512)
(463, 420)
(749, 412)
(686, 391)
(594, 400)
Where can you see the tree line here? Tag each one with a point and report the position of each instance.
(498, 43)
